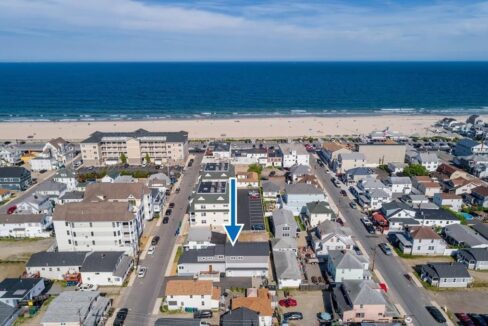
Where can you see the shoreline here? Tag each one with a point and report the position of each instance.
(239, 127)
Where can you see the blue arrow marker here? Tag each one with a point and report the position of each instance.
(233, 229)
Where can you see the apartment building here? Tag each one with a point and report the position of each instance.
(101, 226)
(106, 148)
(138, 195)
(294, 154)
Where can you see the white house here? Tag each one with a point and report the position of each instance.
(25, 225)
(399, 185)
(347, 265)
(60, 150)
(199, 237)
(55, 265)
(35, 204)
(317, 212)
(446, 275)
(10, 156)
(474, 258)
(188, 294)
(428, 160)
(298, 195)
(41, 163)
(67, 177)
(330, 236)
(107, 268)
(421, 240)
(450, 200)
(270, 190)
(287, 269)
(294, 153)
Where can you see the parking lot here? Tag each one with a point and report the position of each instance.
(309, 303)
(250, 210)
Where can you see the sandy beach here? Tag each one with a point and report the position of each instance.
(229, 128)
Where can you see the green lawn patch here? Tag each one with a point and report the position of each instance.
(300, 223)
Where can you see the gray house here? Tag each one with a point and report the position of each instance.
(474, 258)
(287, 269)
(464, 236)
(284, 224)
(15, 178)
(446, 275)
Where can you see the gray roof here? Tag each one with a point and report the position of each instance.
(377, 193)
(301, 189)
(482, 229)
(12, 172)
(359, 171)
(465, 235)
(478, 254)
(364, 292)
(269, 186)
(293, 147)
(96, 137)
(6, 312)
(17, 287)
(68, 306)
(428, 157)
(283, 216)
(467, 142)
(284, 243)
(446, 270)
(51, 186)
(124, 179)
(78, 195)
(53, 259)
(319, 207)
(199, 233)
(286, 265)
(400, 180)
(177, 322)
(246, 249)
(240, 316)
(102, 261)
(352, 156)
(435, 214)
(372, 183)
(346, 259)
(65, 173)
(300, 169)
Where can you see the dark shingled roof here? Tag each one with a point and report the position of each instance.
(101, 261)
(12, 172)
(446, 270)
(173, 137)
(240, 316)
(56, 259)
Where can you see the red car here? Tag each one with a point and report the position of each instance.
(288, 302)
(11, 209)
(464, 319)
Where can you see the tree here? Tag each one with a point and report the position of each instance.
(255, 168)
(123, 158)
(147, 158)
(415, 170)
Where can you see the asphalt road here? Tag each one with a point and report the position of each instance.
(141, 297)
(412, 298)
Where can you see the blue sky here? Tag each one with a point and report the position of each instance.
(157, 30)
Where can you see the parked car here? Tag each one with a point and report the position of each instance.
(408, 277)
(171, 205)
(165, 220)
(464, 319)
(177, 190)
(370, 229)
(353, 205)
(202, 314)
(344, 193)
(151, 250)
(120, 317)
(168, 212)
(288, 302)
(436, 314)
(87, 287)
(155, 240)
(385, 248)
(340, 221)
(141, 272)
(478, 319)
(293, 316)
(11, 209)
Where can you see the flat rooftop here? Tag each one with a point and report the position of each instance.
(212, 187)
(216, 167)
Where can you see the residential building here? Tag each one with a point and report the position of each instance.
(284, 244)
(481, 229)
(399, 185)
(446, 275)
(247, 156)
(244, 259)
(358, 301)
(299, 170)
(15, 290)
(240, 316)
(473, 258)
(106, 268)
(101, 226)
(77, 308)
(183, 321)
(396, 167)
(348, 161)
(15, 178)
(210, 203)
(107, 148)
(35, 204)
(464, 236)
(298, 195)
(355, 175)
(294, 153)
(191, 294)
(330, 236)
(51, 189)
(55, 265)
(426, 186)
(270, 190)
(247, 180)
(287, 269)
(60, 150)
(317, 212)
(43, 163)
(138, 195)
(461, 186)
(217, 171)
(199, 237)
(347, 265)
(435, 217)
(447, 171)
(259, 301)
(284, 224)
(430, 161)
(5, 195)
(217, 151)
(72, 197)
(25, 225)
(10, 156)
(330, 153)
(159, 181)
(453, 201)
(467, 146)
(421, 240)
(68, 177)
(382, 153)
(374, 199)
(480, 196)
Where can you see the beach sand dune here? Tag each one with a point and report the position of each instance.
(217, 128)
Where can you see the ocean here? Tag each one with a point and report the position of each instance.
(115, 91)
